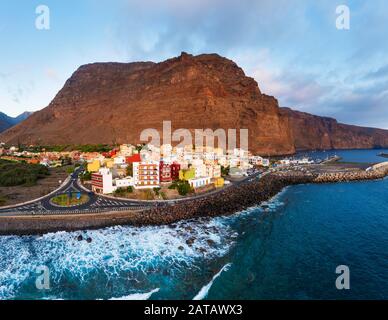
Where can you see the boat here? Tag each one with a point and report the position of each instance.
(382, 154)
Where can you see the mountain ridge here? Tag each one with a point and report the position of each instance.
(113, 102)
(7, 121)
(313, 132)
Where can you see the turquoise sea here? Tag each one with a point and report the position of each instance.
(288, 248)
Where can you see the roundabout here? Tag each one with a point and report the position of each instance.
(68, 200)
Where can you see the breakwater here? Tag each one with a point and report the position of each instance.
(350, 176)
(226, 202)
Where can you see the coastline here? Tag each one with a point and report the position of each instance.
(226, 202)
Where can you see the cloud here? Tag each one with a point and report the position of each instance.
(158, 29)
(382, 72)
(52, 74)
(292, 48)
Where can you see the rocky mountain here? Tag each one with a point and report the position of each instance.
(7, 121)
(322, 133)
(113, 103)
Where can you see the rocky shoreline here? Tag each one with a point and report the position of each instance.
(230, 200)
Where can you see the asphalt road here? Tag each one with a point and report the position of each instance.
(95, 204)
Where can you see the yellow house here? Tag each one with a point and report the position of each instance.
(109, 163)
(186, 174)
(219, 182)
(94, 166)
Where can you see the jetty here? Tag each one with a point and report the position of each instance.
(331, 160)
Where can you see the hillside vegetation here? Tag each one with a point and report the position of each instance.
(20, 173)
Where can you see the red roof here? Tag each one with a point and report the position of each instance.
(134, 158)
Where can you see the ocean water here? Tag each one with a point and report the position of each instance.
(363, 156)
(287, 248)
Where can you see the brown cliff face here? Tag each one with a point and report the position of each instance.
(113, 102)
(321, 133)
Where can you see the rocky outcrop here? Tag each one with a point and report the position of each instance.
(321, 133)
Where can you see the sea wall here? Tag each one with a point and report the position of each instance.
(227, 201)
(350, 176)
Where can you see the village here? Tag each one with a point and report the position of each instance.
(146, 171)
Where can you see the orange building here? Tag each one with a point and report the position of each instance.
(146, 174)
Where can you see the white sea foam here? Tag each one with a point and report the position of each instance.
(205, 290)
(270, 205)
(126, 255)
(275, 202)
(137, 296)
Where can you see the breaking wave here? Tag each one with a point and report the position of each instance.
(119, 259)
(137, 296)
(112, 262)
(205, 290)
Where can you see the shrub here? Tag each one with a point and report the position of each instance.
(3, 200)
(225, 170)
(172, 186)
(86, 176)
(119, 192)
(184, 188)
(70, 170)
(16, 173)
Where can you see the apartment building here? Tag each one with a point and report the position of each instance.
(146, 174)
(102, 181)
(165, 172)
(213, 170)
(175, 168)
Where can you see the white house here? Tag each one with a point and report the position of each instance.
(124, 182)
(265, 163)
(126, 150)
(199, 182)
(120, 160)
(102, 182)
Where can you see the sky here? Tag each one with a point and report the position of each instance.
(293, 49)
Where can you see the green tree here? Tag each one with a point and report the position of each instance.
(119, 192)
(183, 188)
(225, 170)
(87, 176)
